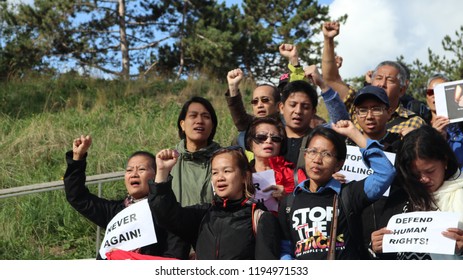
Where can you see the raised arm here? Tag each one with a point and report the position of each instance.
(330, 70)
(289, 52)
(235, 104)
(336, 109)
(373, 157)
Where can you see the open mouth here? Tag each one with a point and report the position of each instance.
(261, 113)
(135, 183)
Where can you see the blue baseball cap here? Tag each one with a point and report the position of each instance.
(371, 92)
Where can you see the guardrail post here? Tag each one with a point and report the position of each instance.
(98, 229)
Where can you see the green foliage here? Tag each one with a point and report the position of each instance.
(172, 38)
(451, 66)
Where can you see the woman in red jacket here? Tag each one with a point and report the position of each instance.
(264, 138)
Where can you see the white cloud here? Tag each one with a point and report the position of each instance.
(378, 30)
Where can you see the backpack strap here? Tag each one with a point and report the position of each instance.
(289, 203)
(256, 213)
(300, 160)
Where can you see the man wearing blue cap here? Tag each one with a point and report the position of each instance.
(372, 113)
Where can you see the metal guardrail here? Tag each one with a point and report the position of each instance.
(57, 185)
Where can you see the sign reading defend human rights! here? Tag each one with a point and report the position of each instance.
(354, 168)
(130, 229)
(420, 232)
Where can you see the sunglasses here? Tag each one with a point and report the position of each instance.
(429, 92)
(263, 99)
(261, 138)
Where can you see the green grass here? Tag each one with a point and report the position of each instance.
(40, 117)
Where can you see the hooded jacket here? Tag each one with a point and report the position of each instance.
(192, 174)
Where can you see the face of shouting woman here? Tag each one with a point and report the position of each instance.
(138, 172)
(227, 178)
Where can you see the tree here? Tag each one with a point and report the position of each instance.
(267, 24)
(451, 67)
(205, 41)
(216, 39)
(109, 35)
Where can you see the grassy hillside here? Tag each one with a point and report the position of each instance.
(40, 118)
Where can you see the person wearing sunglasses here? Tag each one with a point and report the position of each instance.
(265, 139)
(264, 102)
(227, 227)
(452, 132)
(322, 215)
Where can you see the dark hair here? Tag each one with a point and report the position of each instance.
(428, 144)
(243, 164)
(300, 86)
(338, 140)
(148, 155)
(251, 131)
(209, 108)
(275, 91)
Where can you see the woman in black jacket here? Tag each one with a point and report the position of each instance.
(231, 226)
(141, 167)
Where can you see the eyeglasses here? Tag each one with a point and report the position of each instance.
(261, 138)
(430, 92)
(375, 111)
(263, 99)
(312, 153)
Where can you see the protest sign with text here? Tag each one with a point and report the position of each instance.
(261, 181)
(420, 232)
(130, 229)
(355, 169)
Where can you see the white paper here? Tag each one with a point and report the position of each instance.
(449, 100)
(420, 232)
(354, 168)
(261, 181)
(130, 229)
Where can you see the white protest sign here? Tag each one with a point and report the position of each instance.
(262, 180)
(449, 100)
(130, 229)
(354, 169)
(420, 232)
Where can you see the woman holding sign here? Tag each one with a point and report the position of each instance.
(141, 167)
(429, 172)
(231, 226)
(265, 138)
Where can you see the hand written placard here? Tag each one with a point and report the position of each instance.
(420, 232)
(261, 181)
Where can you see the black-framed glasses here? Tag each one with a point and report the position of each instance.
(261, 138)
(312, 153)
(375, 111)
(263, 99)
(429, 92)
